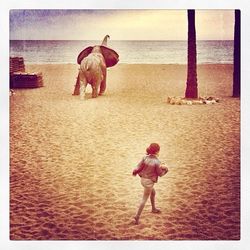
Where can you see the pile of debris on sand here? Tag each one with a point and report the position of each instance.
(177, 100)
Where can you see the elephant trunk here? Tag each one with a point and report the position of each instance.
(105, 40)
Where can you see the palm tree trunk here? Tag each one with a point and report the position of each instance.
(236, 74)
(191, 85)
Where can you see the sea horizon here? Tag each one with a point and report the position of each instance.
(130, 51)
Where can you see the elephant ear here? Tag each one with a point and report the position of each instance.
(84, 54)
(110, 56)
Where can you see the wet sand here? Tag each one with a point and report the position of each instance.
(71, 160)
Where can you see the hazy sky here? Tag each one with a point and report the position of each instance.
(119, 24)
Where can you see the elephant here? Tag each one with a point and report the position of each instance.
(94, 61)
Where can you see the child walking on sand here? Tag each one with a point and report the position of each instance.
(149, 168)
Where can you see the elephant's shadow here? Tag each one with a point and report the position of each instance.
(88, 93)
(88, 96)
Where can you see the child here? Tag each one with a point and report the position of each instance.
(149, 168)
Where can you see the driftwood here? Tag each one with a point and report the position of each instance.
(176, 100)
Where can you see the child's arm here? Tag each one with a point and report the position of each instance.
(139, 167)
(161, 169)
(163, 165)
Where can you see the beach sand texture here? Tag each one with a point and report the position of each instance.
(71, 160)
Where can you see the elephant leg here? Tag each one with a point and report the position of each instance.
(95, 88)
(94, 92)
(83, 85)
(103, 83)
(77, 86)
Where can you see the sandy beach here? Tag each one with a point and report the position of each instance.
(71, 160)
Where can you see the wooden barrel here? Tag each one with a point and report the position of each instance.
(16, 64)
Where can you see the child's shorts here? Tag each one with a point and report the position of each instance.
(147, 183)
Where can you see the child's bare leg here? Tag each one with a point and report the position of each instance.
(152, 199)
(146, 194)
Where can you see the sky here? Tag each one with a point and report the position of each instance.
(119, 24)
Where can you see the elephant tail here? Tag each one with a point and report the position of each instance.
(87, 66)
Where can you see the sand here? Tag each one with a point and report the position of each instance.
(71, 160)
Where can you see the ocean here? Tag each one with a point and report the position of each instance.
(130, 52)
